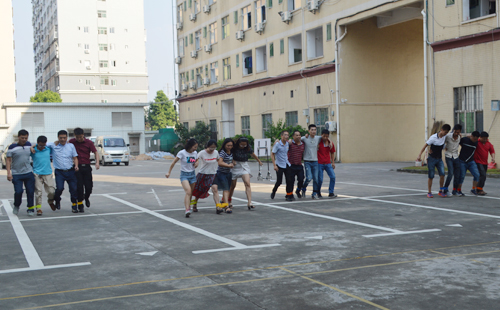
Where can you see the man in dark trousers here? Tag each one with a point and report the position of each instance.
(282, 166)
(469, 145)
(295, 153)
(84, 174)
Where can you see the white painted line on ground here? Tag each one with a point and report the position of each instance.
(402, 233)
(488, 197)
(176, 190)
(147, 253)
(157, 198)
(454, 225)
(234, 244)
(340, 198)
(317, 237)
(109, 194)
(380, 186)
(43, 268)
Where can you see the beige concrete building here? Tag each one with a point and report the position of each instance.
(7, 62)
(371, 67)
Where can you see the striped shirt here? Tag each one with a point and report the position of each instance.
(228, 159)
(295, 153)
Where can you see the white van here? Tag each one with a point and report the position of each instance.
(112, 149)
(92, 155)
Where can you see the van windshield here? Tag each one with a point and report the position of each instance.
(114, 142)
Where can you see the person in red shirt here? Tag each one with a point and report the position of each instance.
(326, 161)
(84, 174)
(481, 158)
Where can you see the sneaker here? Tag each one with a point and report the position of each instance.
(297, 192)
(188, 213)
(332, 195)
(74, 209)
(15, 210)
(454, 193)
(58, 205)
(31, 212)
(448, 193)
(319, 195)
(272, 195)
(442, 194)
(460, 194)
(52, 206)
(288, 198)
(39, 212)
(314, 196)
(473, 192)
(429, 195)
(303, 193)
(87, 202)
(293, 197)
(81, 209)
(481, 193)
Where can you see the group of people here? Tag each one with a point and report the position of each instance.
(220, 169)
(472, 156)
(71, 161)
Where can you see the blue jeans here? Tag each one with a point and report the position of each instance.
(70, 177)
(472, 167)
(331, 174)
(28, 180)
(311, 174)
(433, 163)
(453, 172)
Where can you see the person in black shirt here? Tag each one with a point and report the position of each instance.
(467, 162)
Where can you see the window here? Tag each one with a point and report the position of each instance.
(267, 121)
(120, 119)
(112, 30)
(102, 30)
(269, 3)
(197, 6)
(112, 47)
(85, 29)
(450, 2)
(103, 63)
(295, 49)
(213, 129)
(469, 107)
(328, 32)
(190, 4)
(86, 46)
(104, 80)
(104, 101)
(225, 27)
(237, 60)
(101, 14)
(245, 125)
(191, 38)
(199, 78)
(320, 117)
(246, 14)
(271, 49)
(192, 74)
(227, 69)
(293, 4)
(247, 62)
(282, 46)
(181, 47)
(314, 39)
(182, 77)
(206, 71)
(113, 82)
(204, 32)
(261, 58)
(32, 119)
(187, 76)
(478, 8)
(103, 47)
(214, 72)
(186, 41)
(197, 40)
(179, 13)
(235, 17)
(318, 90)
(113, 63)
(260, 11)
(212, 29)
(291, 118)
(87, 82)
(185, 124)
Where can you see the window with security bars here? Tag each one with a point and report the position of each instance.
(213, 129)
(469, 107)
(121, 119)
(267, 121)
(212, 30)
(292, 118)
(245, 125)
(227, 69)
(32, 119)
(320, 117)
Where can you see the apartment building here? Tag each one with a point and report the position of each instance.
(368, 67)
(91, 51)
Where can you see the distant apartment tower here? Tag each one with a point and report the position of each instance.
(91, 50)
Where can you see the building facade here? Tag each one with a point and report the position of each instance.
(368, 66)
(91, 51)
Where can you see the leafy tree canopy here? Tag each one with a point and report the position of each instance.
(160, 113)
(46, 96)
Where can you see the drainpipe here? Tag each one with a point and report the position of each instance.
(425, 74)
(337, 91)
(498, 14)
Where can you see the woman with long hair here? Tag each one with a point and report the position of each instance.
(207, 160)
(224, 177)
(187, 157)
(242, 170)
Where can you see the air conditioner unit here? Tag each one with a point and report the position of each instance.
(89, 67)
(206, 9)
(92, 87)
(305, 112)
(259, 27)
(313, 5)
(179, 26)
(192, 85)
(208, 48)
(331, 126)
(58, 87)
(192, 17)
(178, 60)
(240, 35)
(87, 51)
(194, 54)
(184, 87)
(206, 81)
(286, 16)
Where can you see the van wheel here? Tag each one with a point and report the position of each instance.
(126, 164)
(117, 164)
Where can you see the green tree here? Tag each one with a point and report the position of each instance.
(46, 96)
(276, 129)
(160, 113)
(201, 132)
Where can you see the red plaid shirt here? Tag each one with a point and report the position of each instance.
(295, 153)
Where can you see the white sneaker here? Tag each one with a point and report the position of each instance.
(31, 212)
(15, 210)
(188, 213)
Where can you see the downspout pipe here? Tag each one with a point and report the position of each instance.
(337, 91)
(426, 77)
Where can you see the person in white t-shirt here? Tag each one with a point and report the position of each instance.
(187, 157)
(207, 161)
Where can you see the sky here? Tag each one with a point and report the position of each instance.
(159, 53)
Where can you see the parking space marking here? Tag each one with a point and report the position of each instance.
(340, 198)
(234, 245)
(156, 196)
(30, 253)
(381, 186)
(402, 233)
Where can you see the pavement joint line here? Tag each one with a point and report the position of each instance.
(437, 252)
(477, 261)
(336, 289)
(254, 269)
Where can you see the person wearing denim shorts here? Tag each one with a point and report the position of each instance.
(224, 177)
(451, 147)
(469, 145)
(436, 144)
(187, 157)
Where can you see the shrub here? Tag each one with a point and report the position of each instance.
(275, 130)
(201, 132)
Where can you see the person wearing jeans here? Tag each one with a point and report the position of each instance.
(20, 172)
(43, 174)
(481, 158)
(451, 145)
(311, 161)
(469, 145)
(326, 162)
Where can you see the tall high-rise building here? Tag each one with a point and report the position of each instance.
(91, 51)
